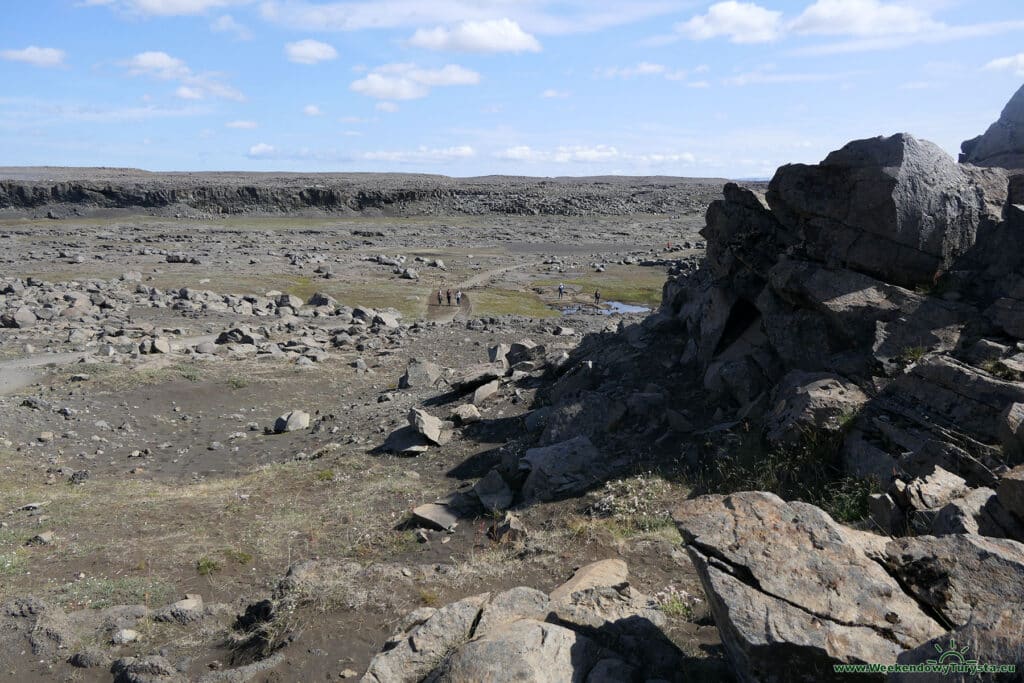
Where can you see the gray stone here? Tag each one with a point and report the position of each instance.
(559, 470)
(508, 529)
(963, 577)
(436, 515)
(411, 654)
(432, 428)
(610, 572)
(485, 391)
(525, 650)
(1003, 143)
(882, 206)
(812, 402)
(784, 580)
(493, 492)
(290, 422)
(420, 374)
(1011, 491)
(466, 414)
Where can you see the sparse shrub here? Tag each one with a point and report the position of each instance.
(238, 382)
(810, 471)
(676, 603)
(190, 373)
(997, 369)
(325, 475)
(238, 556)
(207, 566)
(912, 354)
(429, 597)
(635, 505)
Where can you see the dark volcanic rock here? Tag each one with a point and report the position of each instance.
(897, 208)
(1003, 142)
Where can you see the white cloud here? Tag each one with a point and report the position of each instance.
(410, 82)
(36, 56)
(242, 125)
(421, 154)
(310, 52)
(560, 155)
(640, 69)
(940, 33)
(496, 35)
(551, 17)
(41, 112)
(163, 66)
(741, 22)
(312, 110)
(166, 8)
(861, 18)
(389, 107)
(158, 64)
(261, 151)
(768, 76)
(389, 87)
(187, 93)
(551, 93)
(227, 24)
(1014, 63)
(568, 154)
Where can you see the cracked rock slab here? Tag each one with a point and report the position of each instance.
(792, 591)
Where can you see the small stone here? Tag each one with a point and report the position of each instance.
(290, 422)
(44, 538)
(124, 636)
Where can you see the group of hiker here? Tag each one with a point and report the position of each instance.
(597, 294)
(442, 296)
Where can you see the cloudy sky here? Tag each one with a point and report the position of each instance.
(473, 87)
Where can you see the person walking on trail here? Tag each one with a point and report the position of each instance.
(597, 297)
(440, 297)
(449, 297)
(561, 290)
(458, 298)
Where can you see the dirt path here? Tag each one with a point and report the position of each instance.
(21, 372)
(445, 313)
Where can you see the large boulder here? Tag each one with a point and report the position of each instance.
(434, 429)
(421, 374)
(559, 470)
(962, 577)
(597, 634)
(812, 402)
(794, 593)
(525, 650)
(897, 208)
(1003, 142)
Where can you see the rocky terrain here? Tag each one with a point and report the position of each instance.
(58, 192)
(248, 450)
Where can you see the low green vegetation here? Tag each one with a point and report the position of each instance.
(809, 470)
(497, 302)
(206, 566)
(629, 284)
(100, 592)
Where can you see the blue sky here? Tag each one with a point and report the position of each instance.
(473, 87)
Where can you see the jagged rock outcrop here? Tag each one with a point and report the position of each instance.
(85, 190)
(882, 289)
(793, 592)
(582, 632)
(897, 208)
(1003, 142)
